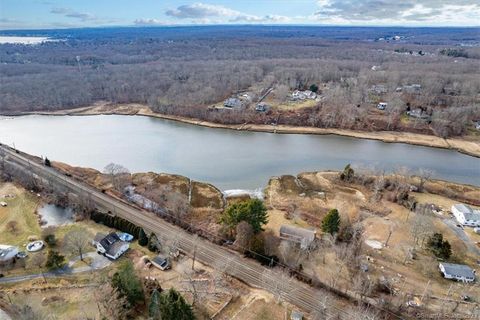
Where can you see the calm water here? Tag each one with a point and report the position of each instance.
(54, 215)
(229, 159)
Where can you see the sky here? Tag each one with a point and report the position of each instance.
(47, 14)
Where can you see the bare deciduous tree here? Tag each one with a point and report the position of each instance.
(119, 176)
(77, 241)
(111, 305)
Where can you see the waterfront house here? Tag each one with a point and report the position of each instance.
(465, 215)
(459, 272)
(412, 88)
(303, 95)
(418, 114)
(233, 103)
(261, 107)
(110, 245)
(379, 89)
(302, 236)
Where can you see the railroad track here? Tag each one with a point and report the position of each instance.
(250, 272)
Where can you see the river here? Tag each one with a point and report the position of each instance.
(228, 159)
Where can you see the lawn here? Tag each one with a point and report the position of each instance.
(21, 209)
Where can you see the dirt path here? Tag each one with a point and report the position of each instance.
(462, 145)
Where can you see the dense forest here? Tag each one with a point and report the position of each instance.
(184, 70)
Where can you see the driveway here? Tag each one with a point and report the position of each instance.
(98, 262)
(471, 246)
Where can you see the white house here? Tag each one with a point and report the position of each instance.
(7, 254)
(302, 95)
(466, 215)
(459, 272)
(111, 245)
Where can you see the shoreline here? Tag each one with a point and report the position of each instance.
(469, 148)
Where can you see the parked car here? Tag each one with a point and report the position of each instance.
(477, 230)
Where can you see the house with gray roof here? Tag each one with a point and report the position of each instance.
(465, 215)
(302, 236)
(110, 245)
(7, 254)
(459, 272)
(233, 103)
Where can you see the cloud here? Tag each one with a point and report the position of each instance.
(202, 12)
(394, 10)
(148, 22)
(69, 13)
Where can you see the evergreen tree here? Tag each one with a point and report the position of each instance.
(142, 238)
(47, 162)
(347, 174)
(252, 211)
(174, 306)
(153, 243)
(54, 260)
(128, 283)
(313, 88)
(439, 247)
(331, 222)
(154, 306)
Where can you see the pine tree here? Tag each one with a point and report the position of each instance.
(128, 283)
(331, 222)
(252, 211)
(142, 238)
(154, 306)
(174, 306)
(153, 243)
(54, 260)
(439, 247)
(347, 174)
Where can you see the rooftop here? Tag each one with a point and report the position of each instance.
(7, 252)
(298, 234)
(459, 270)
(468, 213)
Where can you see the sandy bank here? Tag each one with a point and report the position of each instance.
(469, 147)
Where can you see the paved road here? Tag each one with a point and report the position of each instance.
(98, 262)
(472, 247)
(253, 274)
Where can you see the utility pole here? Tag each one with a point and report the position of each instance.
(388, 238)
(195, 239)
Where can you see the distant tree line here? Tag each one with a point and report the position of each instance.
(182, 74)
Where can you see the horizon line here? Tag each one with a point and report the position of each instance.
(238, 25)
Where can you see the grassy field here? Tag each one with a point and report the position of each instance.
(378, 219)
(21, 210)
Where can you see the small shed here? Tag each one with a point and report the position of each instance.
(302, 236)
(162, 263)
